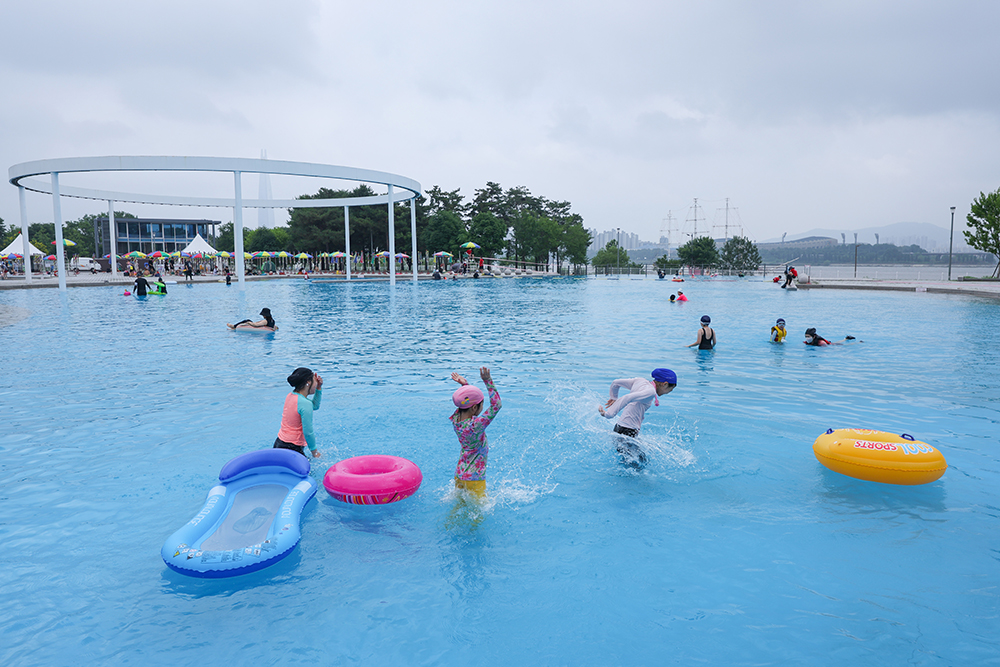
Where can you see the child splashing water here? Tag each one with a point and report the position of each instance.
(470, 427)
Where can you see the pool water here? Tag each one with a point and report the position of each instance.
(734, 546)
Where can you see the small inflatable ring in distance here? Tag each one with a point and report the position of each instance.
(375, 479)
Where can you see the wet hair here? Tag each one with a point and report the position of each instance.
(300, 377)
(266, 312)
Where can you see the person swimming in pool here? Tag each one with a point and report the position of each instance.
(296, 432)
(140, 286)
(778, 331)
(470, 427)
(814, 339)
(706, 335)
(268, 321)
(632, 407)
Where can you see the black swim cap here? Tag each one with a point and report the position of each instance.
(300, 377)
(811, 331)
(266, 312)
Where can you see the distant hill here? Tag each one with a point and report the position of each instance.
(931, 238)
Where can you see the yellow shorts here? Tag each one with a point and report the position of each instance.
(476, 487)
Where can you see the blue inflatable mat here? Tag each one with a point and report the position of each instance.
(250, 520)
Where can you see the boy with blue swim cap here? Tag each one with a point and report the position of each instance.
(632, 406)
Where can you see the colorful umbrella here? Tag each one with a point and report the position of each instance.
(247, 255)
(156, 254)
(66, 242)
(50, 257)
(384, 253)
(402, 255)
(135, 254)
(176, 253)
(108, 256)
(225, 253)
(338, 255)
(469, 246)
(280, 254)
(13, 255)
(303, 255)
(443, 253)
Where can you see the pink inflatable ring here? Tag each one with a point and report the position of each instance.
(375, 479)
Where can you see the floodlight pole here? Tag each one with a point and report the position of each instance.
(618, 253)
(951, 241)
(25, 243)
(855, 254)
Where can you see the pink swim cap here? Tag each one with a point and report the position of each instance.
(467, 396)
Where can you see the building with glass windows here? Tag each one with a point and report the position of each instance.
(151, 234)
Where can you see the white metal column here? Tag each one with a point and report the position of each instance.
(413, 237)
(392, 239)
(25, 243)
(347, 240)
(57, 219)
(113, 240)
(238, 228)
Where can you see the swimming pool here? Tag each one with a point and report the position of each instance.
(734, 546)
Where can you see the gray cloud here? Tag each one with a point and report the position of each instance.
(803, 114)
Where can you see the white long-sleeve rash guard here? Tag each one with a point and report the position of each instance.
(633, 405)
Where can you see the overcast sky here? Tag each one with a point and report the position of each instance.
(840, 115)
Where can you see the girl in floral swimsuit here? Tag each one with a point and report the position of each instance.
(470, 427)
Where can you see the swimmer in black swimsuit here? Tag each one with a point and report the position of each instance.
(268, 321)
(706, 335)
(814, 339)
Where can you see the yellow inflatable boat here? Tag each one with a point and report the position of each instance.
(878, 456)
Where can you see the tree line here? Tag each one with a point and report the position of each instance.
(511, 223)
(738, 254)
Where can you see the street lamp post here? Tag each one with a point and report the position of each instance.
(855, 254)
(951, 241)
(618, 252)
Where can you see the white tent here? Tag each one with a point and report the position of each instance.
(198, 245)
(17, 245)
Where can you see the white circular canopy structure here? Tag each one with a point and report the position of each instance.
(32, 176)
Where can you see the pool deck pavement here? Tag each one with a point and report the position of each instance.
(966, 288)
(105, 279)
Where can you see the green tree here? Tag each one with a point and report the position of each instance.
(489, 232)
(611, 256)
(700, 251)
(739, 254)
(446, 200)
(664, 264)
(283, 239)
(575, 241)
(444, 231)
(316, 230)
(262, 238)
(984, 220)
(226, 240)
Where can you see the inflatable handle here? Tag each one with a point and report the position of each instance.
(280, 458)
(829, 431)
(906, 436)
